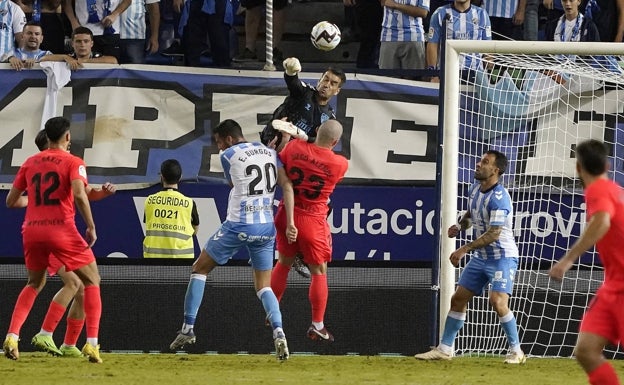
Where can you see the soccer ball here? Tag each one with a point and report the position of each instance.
(325, 36)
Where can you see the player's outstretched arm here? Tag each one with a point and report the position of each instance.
(106, 190)
(289, 204)
(597, 227)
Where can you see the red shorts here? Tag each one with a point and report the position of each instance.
(68, 247)
(604, 316)
(314, 239)
(54, 265)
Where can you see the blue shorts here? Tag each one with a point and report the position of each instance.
(259, 239)
(478, 273)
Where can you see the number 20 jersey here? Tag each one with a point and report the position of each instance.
(47, 177)
(251, 169)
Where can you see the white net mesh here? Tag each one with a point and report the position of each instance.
(535, 109)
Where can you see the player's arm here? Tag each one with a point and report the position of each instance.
(82, 203)
(597, 227)
(289, 203)
(15, 199)
(292, 67)
(95, 194)
(491, 235)
(194, 218)
(410, 10)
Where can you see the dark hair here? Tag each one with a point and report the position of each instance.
(56, 127)
(41, 140)
(228, 127)
(82, 31)
(33, 23)
(171, 171)
(338, 72)
(592, 156)
(500, 161)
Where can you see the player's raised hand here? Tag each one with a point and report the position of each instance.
(292, 66)
(109, 188)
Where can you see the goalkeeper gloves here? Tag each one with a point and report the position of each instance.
(289, 128)
(291, 66)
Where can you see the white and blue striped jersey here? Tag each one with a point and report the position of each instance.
(473, 24)
(35, 55)
(493, 208)
(399, 26)
(82, 14)
(12, 21)
(251, 168)
(133, 25)
(500, 8)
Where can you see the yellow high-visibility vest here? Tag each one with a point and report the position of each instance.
(168, 228)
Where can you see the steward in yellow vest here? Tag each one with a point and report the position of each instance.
(171, 219)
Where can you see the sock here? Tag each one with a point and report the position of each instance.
(93, 312)
(603, 375)
(53, 317)
(454, 322)
(192, 300)
(279, 279)
(23, 305)
(318, 296)
(271, 306)
(508, 322)
(74, 328)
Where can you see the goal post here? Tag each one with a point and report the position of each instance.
(533, 101)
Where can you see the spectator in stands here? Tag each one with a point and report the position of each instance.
(506, 18)
(82, 44)
(49, 15)
(608, 15)
(170, 236)
(253, 17)
(369, 15)
(494, 261)
(133, 43)
(213, 18)
(12, 20)
(552, 9)
(29, 51)
(572, 25)
(464, 22)
(402, 35)
(102, 18)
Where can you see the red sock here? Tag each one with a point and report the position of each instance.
(603, 375)
(53, 316)
(23, 305)
(74, 328)
(279, 278)
(93, 310)
(318, 296)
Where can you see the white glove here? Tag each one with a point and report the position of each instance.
(289, 128)
(291, 66)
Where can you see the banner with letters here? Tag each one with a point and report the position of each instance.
(127, 119)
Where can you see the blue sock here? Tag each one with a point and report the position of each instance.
(508, 322)
(454, 322)
(193, 298)
(271, 306)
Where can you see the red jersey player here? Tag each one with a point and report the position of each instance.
(602, 322)
(54, 181)
(314, 170)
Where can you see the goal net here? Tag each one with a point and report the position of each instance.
(533, 101)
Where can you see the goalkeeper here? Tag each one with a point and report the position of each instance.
(306, 106)
(494, 260)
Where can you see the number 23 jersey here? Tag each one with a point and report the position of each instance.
(47, 177)
(314, 172)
